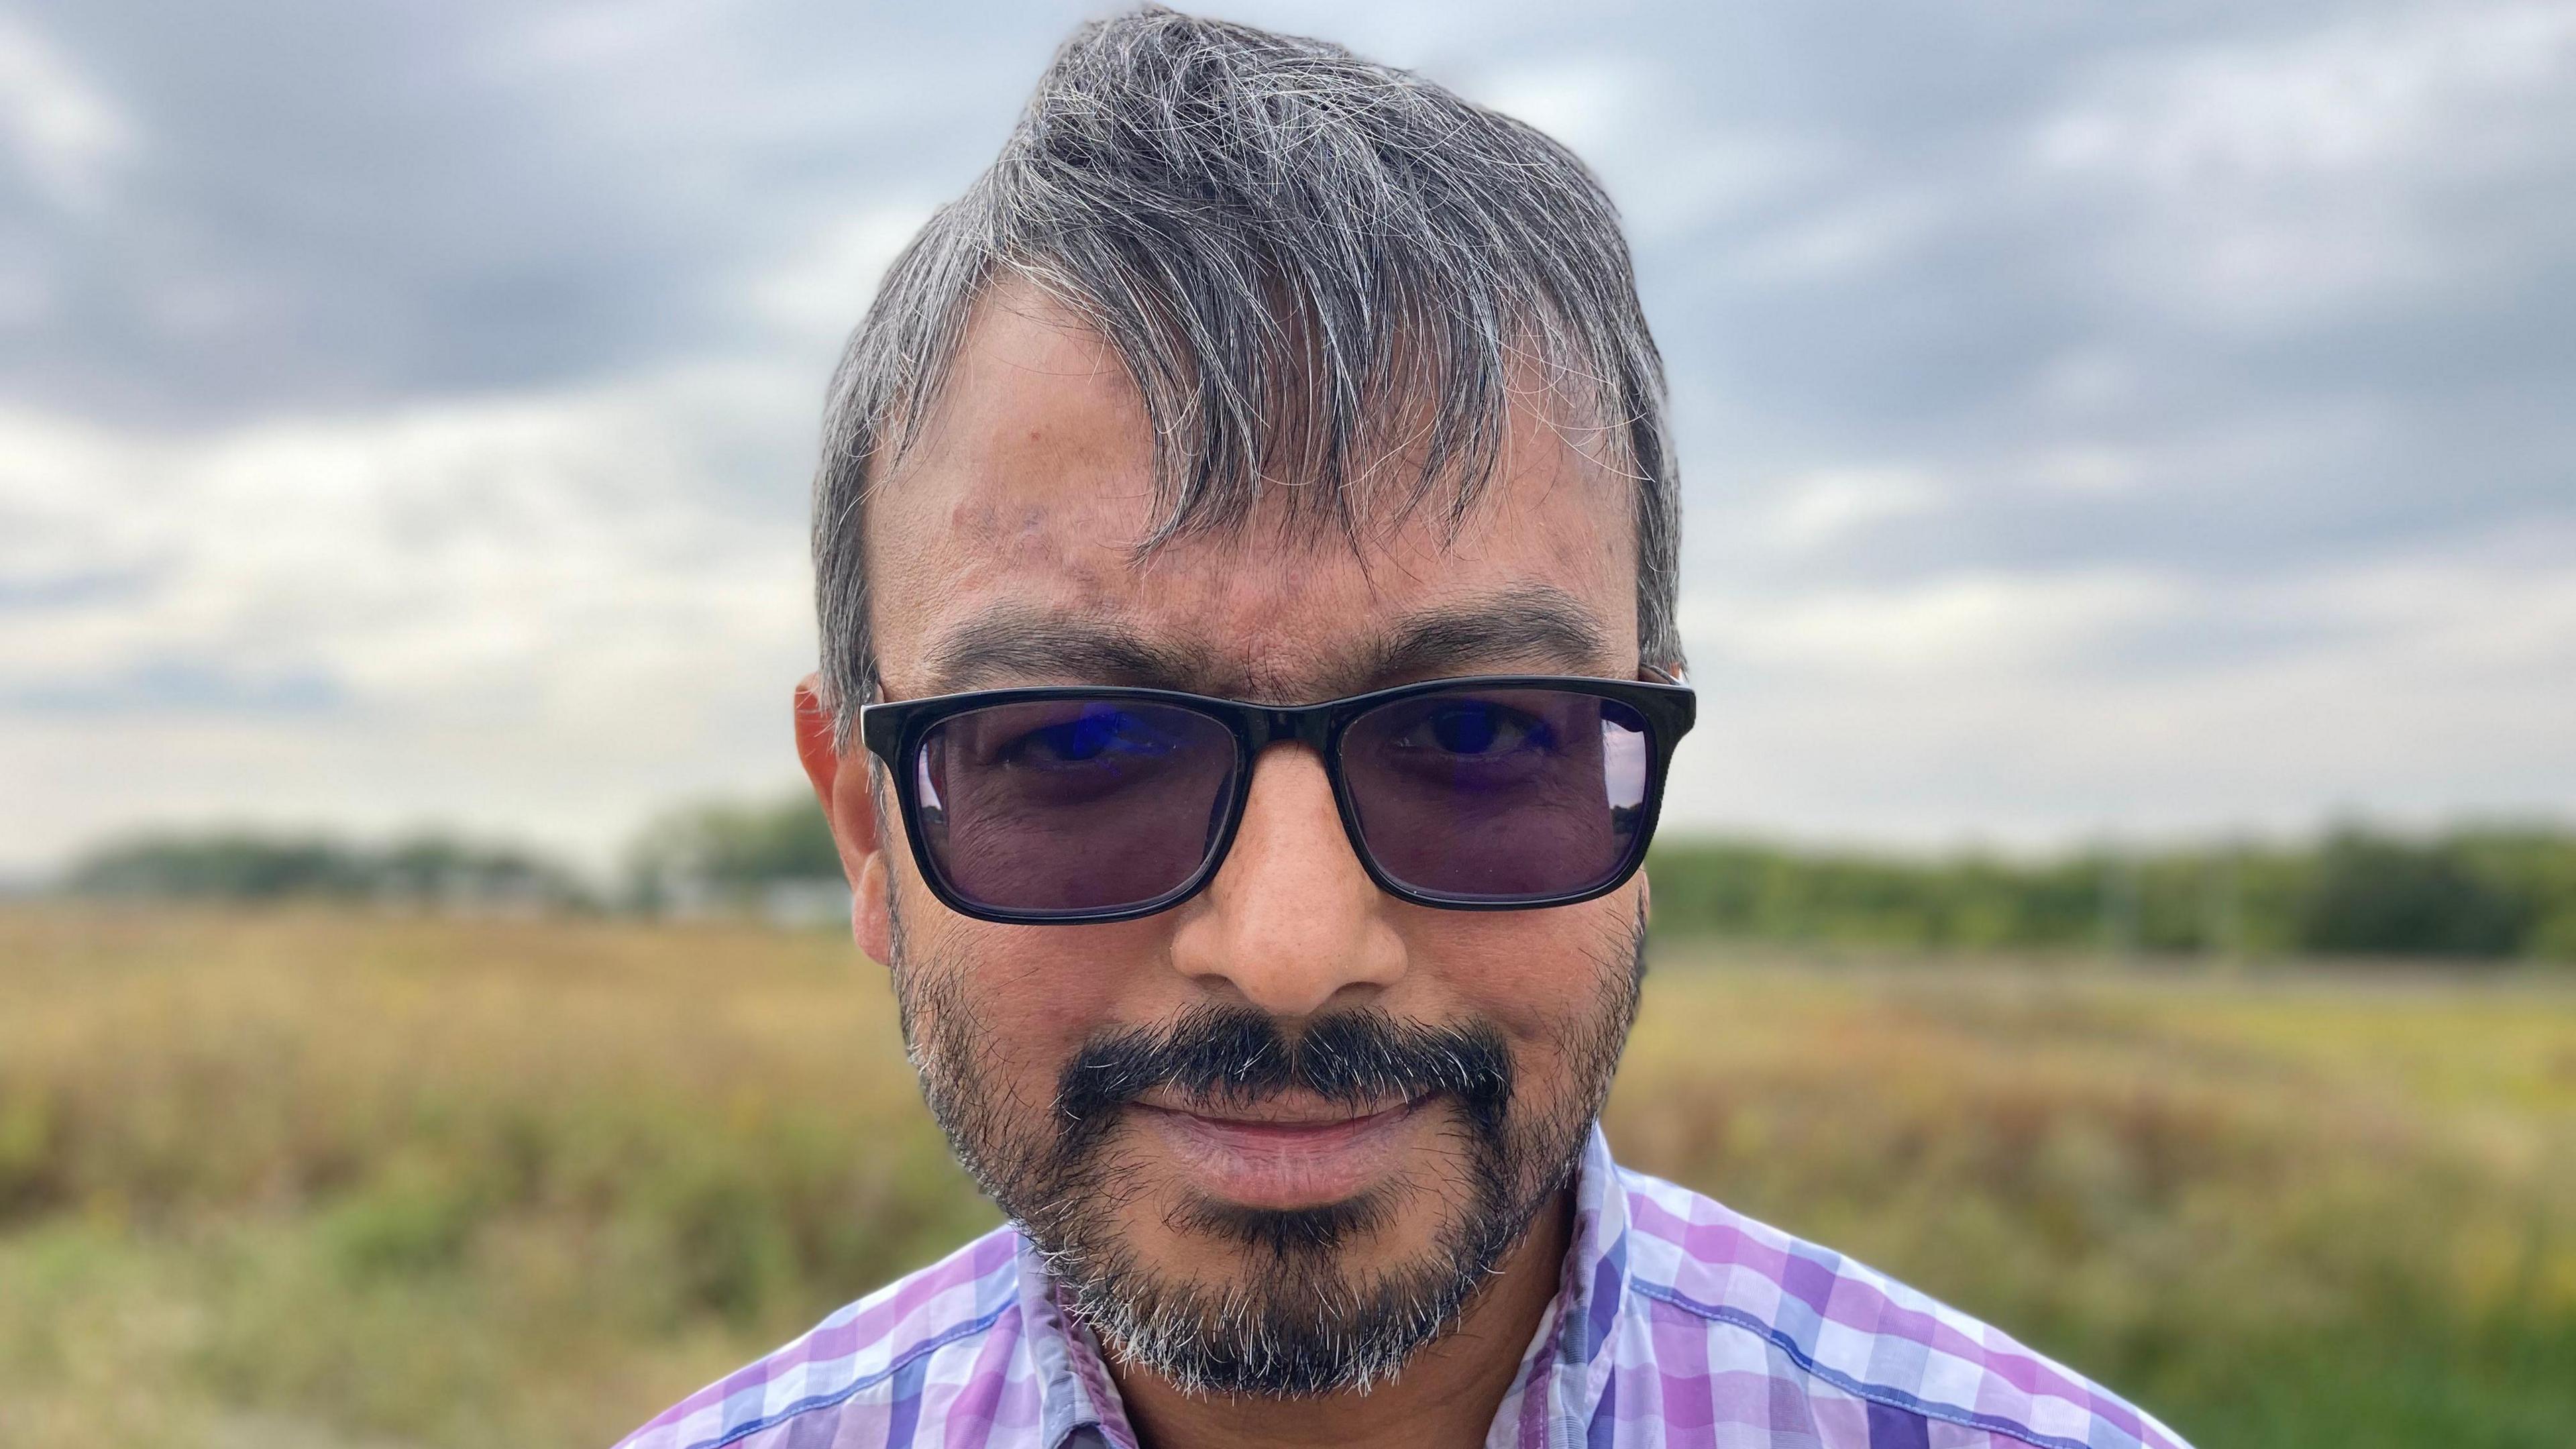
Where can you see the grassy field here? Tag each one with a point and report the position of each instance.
(314, 1181)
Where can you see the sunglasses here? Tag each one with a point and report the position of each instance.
(1066, 805)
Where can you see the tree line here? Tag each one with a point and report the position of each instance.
(2476, 893)
(253, 865)
(2470, 894)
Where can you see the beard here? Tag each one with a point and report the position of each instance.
(1295, 1319)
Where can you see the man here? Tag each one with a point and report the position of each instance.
(1245, 547)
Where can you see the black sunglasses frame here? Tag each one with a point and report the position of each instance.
(894, 732)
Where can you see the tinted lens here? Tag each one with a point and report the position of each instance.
(1072, 805)
(1499, 795)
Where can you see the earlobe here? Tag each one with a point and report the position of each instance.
(871, 910)
(841, 787)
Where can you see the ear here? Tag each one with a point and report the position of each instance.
(841, 785)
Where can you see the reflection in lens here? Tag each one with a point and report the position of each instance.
(1499, 794)
(1073, 804)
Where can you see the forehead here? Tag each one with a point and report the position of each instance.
(1018, 511)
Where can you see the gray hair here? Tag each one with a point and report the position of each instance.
(1294, 252)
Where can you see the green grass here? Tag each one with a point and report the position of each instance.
(314, 1179)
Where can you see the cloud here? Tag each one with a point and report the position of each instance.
(2033, 711)
(2346, 101)
(823, 289)
(2277, 179)
(402, 592)
(1824, 507)
(178, 689)
(1586, 101)
(1954, 628)
(342, 207)
(70, 136)
(410, 551)
(1848, 237)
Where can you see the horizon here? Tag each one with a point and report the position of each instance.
(606, 871)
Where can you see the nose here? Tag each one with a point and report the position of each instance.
(1292, 920)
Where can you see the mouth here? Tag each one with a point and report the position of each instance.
(1286, 1154)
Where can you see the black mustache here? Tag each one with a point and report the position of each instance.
(1236, 1056)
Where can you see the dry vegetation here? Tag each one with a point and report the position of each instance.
(312, 1179)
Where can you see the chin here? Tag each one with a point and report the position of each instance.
(1284, 1303)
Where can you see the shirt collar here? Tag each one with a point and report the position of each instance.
(1567, 1369)
(1074, 1389)
(1564, 1372)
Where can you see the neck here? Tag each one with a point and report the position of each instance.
(1446, 1396)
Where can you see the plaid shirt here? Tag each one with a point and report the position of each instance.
(1677, 1322)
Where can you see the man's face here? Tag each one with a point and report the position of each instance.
(1271, 1138)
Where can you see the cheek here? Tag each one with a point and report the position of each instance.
(1034, 994)
(1545, 978)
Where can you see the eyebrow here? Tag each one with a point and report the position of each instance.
(1018, 644)
(1531, 624)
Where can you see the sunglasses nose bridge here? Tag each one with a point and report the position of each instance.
(1277, 724)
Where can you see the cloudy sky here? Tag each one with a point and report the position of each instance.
(2097, 420)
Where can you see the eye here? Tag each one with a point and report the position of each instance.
(1473, 729)
(1097, 736)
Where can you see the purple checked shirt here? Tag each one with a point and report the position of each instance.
(1677, 1322)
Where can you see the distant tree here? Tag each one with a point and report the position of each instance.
(233, 865)
(2536, 866)
(242, 865)
(2377, 896)
(436, 868)
(731, 854)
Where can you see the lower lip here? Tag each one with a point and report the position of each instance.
(1277, 1165)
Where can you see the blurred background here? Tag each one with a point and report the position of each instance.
(2125, 880)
